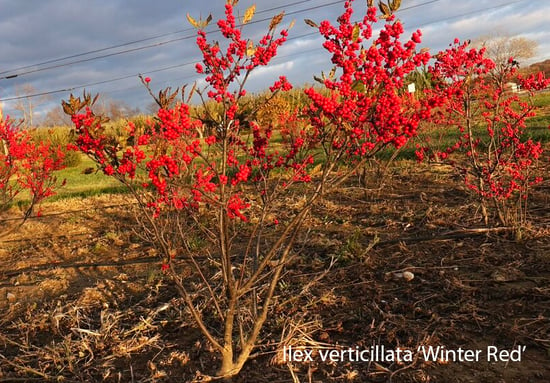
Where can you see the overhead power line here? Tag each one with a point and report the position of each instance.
(158, 44)
(69, 89)
(51, 61)
(129, 43)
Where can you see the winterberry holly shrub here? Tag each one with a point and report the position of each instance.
(26, 165)
(224, 188)
(222, 179)
(493, 153)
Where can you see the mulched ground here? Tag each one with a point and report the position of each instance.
(115, 317)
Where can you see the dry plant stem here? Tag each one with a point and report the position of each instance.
(203, 278)
(181, 288)
(194, 312)
(26, 369)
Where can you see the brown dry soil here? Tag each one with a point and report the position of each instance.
(82, 298)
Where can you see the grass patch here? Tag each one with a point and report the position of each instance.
(79, 184)
(542, 99)
(538, 133)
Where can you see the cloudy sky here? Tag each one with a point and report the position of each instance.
(59, 46)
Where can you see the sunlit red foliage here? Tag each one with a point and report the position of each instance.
(493, 152)
(26, 165)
